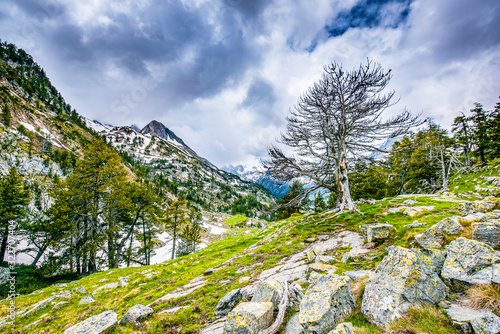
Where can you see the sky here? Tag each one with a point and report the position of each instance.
(223, 74)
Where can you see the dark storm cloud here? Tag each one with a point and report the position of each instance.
(159, 34)
(41, 10)
(248, 9)
(461, 36)
(261, 92)
(369, 14)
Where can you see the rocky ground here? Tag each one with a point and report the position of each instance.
(407, 265)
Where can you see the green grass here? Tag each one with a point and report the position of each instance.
(235, 220)
(280, 240)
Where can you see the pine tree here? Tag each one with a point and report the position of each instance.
(286, 211)
(319, 203)
(13, 200)
(6, 116)
(82, 203)
(175, 218)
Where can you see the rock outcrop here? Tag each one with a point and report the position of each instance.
(487, 232)
(249, 318)
(470, 262)
(401, 280)
(325, 303)
(268, 291)
(136, 314)
(227, 303)
(98, 324)
(434, 237)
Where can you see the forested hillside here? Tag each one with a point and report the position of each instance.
(80, 201)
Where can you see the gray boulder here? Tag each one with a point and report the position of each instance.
(401, 280)
(293, 325)
(376, 232)
(249, 318)
(4, 275)
(326, 302)
(488, 324)
(136, 314)
(433, 258)
(86, 300)
(470, 262)
(98, 324)
(343, 328)
(476, 206)
(228, 302)
(487, 232)
(467, 320)
(434, 237)
(268, 291)
(296, 295)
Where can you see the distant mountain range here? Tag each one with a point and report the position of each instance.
(258, 175)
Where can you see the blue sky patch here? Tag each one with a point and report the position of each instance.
(370, 14)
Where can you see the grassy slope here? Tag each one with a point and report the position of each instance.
(270, 246)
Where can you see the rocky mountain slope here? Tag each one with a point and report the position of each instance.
(258, 175)
(410, 264)
(43, 136)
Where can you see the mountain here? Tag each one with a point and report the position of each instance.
(43, 137)
(258, 175)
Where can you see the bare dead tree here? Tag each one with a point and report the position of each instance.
(337, 120)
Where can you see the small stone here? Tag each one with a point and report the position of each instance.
(59, 305)
(227, 303)
(310, 240)
(81, 289)
(343, 328)
(136, 314)
(98, 324)
(322, 268)
(209, 271)
(324, 237)
(293, 325)
(123, 281)
(244, 279)
(86, 300)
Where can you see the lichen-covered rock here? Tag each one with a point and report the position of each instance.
(472, 217)
(227, 303)
(296, 295)
(268, 291)
(87, 300)
(249, 318)
(467, 320)
(488, 324)
(378, 232)
(321, 268)
(311, 254)
(98, 324)
(433, 258)
(136, 314)
(487, 232)
(495, 214)
(325, 303)
(4, 275)
(325, 259)
(293, 325)
(343, 328)
(470, 262)
(401, 280)
(476, 206)
(434, 237)
(59, 305)
(413, 211)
